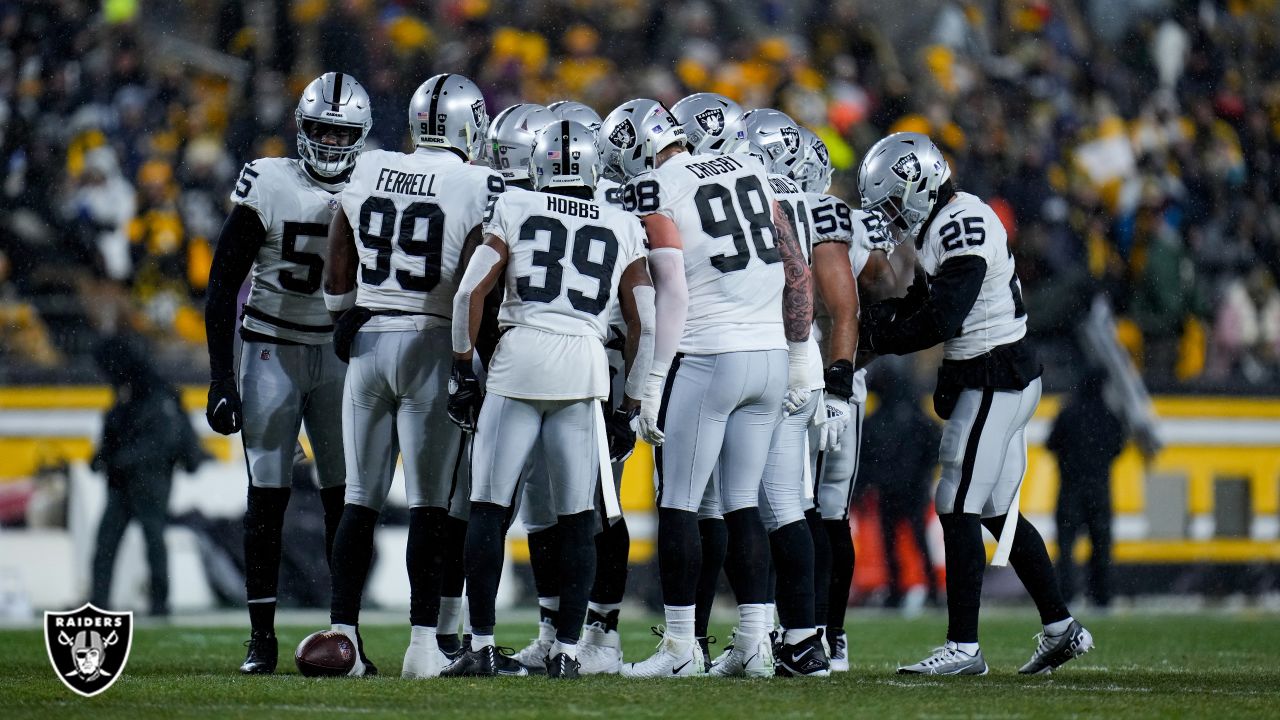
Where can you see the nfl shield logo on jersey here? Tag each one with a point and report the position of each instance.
(623, 136)
(88, 647)
(907, 168)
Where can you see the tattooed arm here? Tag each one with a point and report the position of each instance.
(797, 295)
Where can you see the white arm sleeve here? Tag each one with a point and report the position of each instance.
(482, 261)
(640, 364)
(671, 305)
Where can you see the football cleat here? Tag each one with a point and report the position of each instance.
(839, 656)
(562, 666)
(669, 660)
(424, 660)
(1052, 651)
(263, 654)
(534, 655)
(948, 660)
(803, 659)
(600, 651)
(745, 657)
(488, 661)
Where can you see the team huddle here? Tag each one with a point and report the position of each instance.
(507, 308)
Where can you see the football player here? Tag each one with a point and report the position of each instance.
(288, 376)
(988, 387)
(564, 260)
(846, 241)
(394, 257)
(742, 351)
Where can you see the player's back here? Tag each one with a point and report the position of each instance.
(565, 259)
(411, 214)
(723, 209)
(284, 297)
(968, 226)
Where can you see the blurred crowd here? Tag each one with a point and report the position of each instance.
(1131, 148)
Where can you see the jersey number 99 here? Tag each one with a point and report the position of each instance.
(386, 240)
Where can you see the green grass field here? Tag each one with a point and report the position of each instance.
(1212, 665)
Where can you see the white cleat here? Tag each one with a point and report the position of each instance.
(423, 659)
(534, 655)
(948, 660)
(671, 659)
(600, 651)
(745, 657)
(839, 655)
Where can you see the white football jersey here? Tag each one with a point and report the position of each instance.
(285, 298)
(411, 214)
(723, 208)
(565, 261)
(609, 193)
(795, 204)
(968, 226)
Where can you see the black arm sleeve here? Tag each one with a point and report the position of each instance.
(238, 243)
(938, 317)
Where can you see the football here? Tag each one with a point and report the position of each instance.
(325, 653)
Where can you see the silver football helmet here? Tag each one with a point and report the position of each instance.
(712, 122)
(577, 112)
(511, 138)
(779, 135)
(565, 155)
(631, 137)
(333, 118)
(814, 171)
(448, 111)
(899, 180)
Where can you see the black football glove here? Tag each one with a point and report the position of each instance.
(345, 329)
(839, 379)
(223, 411)
(464, 396)
(617, 427)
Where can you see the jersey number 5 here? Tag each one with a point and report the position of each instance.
(430, 249)
(550, 258)
(314, 264)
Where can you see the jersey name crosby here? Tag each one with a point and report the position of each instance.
(410, 214)
(968, 226)
(723, 209)
(565, 261)
(285, 300)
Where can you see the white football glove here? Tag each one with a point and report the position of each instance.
(834, 422)
(646, 423)
(798, 379)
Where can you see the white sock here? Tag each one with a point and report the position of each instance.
(771, 616)
(547, 629)
(603, 608)
(450, 615)
(550, 603)
(348, 630)
(753, 620)
(679, 622)
(480, 641)
(791, 637)
(422, 634)
(570, 649)
(1057, 628)
(969, 649)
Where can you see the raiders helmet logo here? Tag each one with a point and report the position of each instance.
(88, 647)
(477, 109)
(791, 138)
(907, 168)
(711, 120)
(623, 136)
(821, 150)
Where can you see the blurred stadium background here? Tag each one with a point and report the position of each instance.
(1131, 149)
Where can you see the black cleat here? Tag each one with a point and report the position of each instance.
(451, 646)
(562, 666)
(488, 661)
(803, 659)
(263, 654)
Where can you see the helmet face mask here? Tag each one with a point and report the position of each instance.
(899, 180)
(333, 120)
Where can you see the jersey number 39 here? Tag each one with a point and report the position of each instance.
(549, 259)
